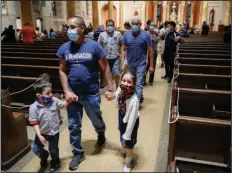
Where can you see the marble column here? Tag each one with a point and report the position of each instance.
(121, 22)
(95, 15)
(179, 12)
(227, 14)
(155, 3)
(204, 11)
(168, 11)
(26, 12)
(164, 11)
(182, 12)
(110, 10)
(150, 10)
(200, 16)
(70, 5)
(39, 24)
(192, 14)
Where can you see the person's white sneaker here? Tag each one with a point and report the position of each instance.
(127, 167)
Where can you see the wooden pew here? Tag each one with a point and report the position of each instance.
(31, 54)
(200, 55)
(200, 136)
(205, 51)
(204, 61)
(204, 81)
(205, 69)
(31, 61)
(204, 48)
(14, 143)
(43, 50)
(200, 102)
(204, 143)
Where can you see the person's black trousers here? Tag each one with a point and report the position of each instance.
(169, 65)
(151, 75)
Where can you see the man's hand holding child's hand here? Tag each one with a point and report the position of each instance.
(110, 96)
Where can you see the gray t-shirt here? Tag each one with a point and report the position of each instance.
(46, 116)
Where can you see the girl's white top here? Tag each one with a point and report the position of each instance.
(132, 113)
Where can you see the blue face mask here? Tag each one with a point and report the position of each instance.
(152, 28)
(47, 99)
(135, 28)
(72, 34)
(110, 29)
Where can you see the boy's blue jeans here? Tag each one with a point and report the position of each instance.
(139, 71)
(38, 147)
(91, 103)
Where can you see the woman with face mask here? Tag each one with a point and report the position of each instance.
(154, 39)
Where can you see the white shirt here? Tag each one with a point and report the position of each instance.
(132, 113)
(111, 45)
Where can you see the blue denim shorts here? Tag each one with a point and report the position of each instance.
(114, 66)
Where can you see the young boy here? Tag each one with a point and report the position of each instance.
(45, 120)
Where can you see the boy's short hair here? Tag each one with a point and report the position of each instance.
(134, 78)
(172, 23)
(40, 85)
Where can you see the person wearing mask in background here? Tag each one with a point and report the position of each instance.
(52, 34)
(99, 30)
(136, 45)
(9, 35)
(171, 41)
(111, 41)
(79, 65)
(162, 33)
(28, 34)
(154, 39)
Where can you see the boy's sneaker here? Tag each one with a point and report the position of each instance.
(101, 139)
(55, 165)
(127, 167)
(44, 160)
(76, 160)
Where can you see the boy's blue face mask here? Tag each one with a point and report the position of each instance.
(47, 99)
(135, 28)
(72, 34)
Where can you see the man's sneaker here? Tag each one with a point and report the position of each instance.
(55, 165)
(101, 139)
(169, 80)
(141, 100)
(127, 167)
(76, 160)
(44, 160)
(164, 77)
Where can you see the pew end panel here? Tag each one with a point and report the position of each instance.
(14, 135)
(203, 140)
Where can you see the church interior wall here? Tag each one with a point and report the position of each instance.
(219, 12)
(13, 8)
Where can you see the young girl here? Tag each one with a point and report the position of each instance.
(128, 115)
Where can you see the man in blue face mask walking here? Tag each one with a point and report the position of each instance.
(79, 61)
(136, 43)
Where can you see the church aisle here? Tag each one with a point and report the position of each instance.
(110, 158)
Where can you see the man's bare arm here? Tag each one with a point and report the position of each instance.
(106, 69)
(63, 75)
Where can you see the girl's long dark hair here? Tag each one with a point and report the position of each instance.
(134, 79)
